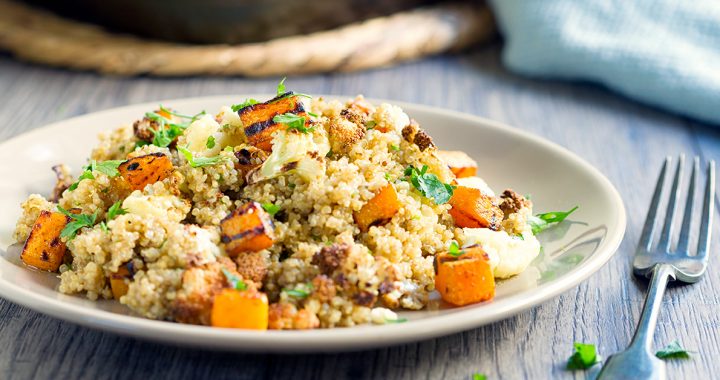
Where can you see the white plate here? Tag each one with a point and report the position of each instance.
(556, 178)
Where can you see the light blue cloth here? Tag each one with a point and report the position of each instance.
(661, 52)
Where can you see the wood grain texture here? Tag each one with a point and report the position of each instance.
(624, 140)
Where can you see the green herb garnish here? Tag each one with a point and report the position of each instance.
(313, 114)
(271, 208)
(479, 376)
(541, 222)
(454, 249)
(673, 351)
(370, 124)
(78, 222)
(429, 184)
(210, 143)
(246, 103)
(293, 121)
(387, 177)
(109, 168)
(115, 210)
(584, 357)
(234, 281)
(281, 87)
(398, 320)
(197, 162)
(394, 147)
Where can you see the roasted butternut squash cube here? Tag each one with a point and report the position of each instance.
(43, 249)
(145, 170)
(247, 229)
(473, 209)
(240, 309)
(465, 279)
(258, 121)
(379, 210)
(459, 163)
(118, 281)
(249, 158)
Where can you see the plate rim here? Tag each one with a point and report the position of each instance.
(338, 339)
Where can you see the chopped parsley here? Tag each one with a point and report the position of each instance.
(271, 208)
(293, 121)
(541, 222)
(313, 114)
(370, 124)
(479, 376)
(394, 147)
(387, 177)
(281, 87)
(454, 249)
(397, 320)
(246, 103)
(168, 131)
(197, 162)
(78, 222)
(115, 210)
(234, 281)
(109, 168)
(429, 184)
(584, 357)
(210, 143)
(673, 351)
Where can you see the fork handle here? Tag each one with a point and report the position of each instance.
(638, 361)
(648, 319)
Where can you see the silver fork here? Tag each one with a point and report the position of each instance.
(662, 263)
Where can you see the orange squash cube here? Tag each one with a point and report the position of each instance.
(257, 119)
(145, 170)
(473, 209)
(379, 210)
(118, 285)
(465, 279)
(247, 229)
(43, 249)
(240, 309)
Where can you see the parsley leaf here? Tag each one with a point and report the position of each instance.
(191, 117)
(168, 131)
(479, 376)
(197, 162)
(271, 208)
(370, 124)
(394, 147)
(673, 351)
(398, 320)
(454, 249)
(541, 222)
(109, 168)
(115, 210)
(293, 121)
(281, 86)
(246, 103)
(584, 356)
(210, 142)
(78, 222)
(429, 184)
(234, 281)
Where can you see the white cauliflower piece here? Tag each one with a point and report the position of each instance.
(302, 152)
(509, 255)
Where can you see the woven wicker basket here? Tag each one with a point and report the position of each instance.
(39, 36)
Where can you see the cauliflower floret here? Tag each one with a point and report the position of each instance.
(156, 206)
(197, 134)
(303, 152)
(509, 255)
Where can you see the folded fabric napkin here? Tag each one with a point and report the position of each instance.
(662, 52)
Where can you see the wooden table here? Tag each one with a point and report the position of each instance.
(625, 140)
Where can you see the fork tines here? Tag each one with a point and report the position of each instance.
(683, 244)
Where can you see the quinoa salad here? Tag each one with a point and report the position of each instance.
(291, 213)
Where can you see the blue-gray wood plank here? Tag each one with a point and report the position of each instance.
(623, 139)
